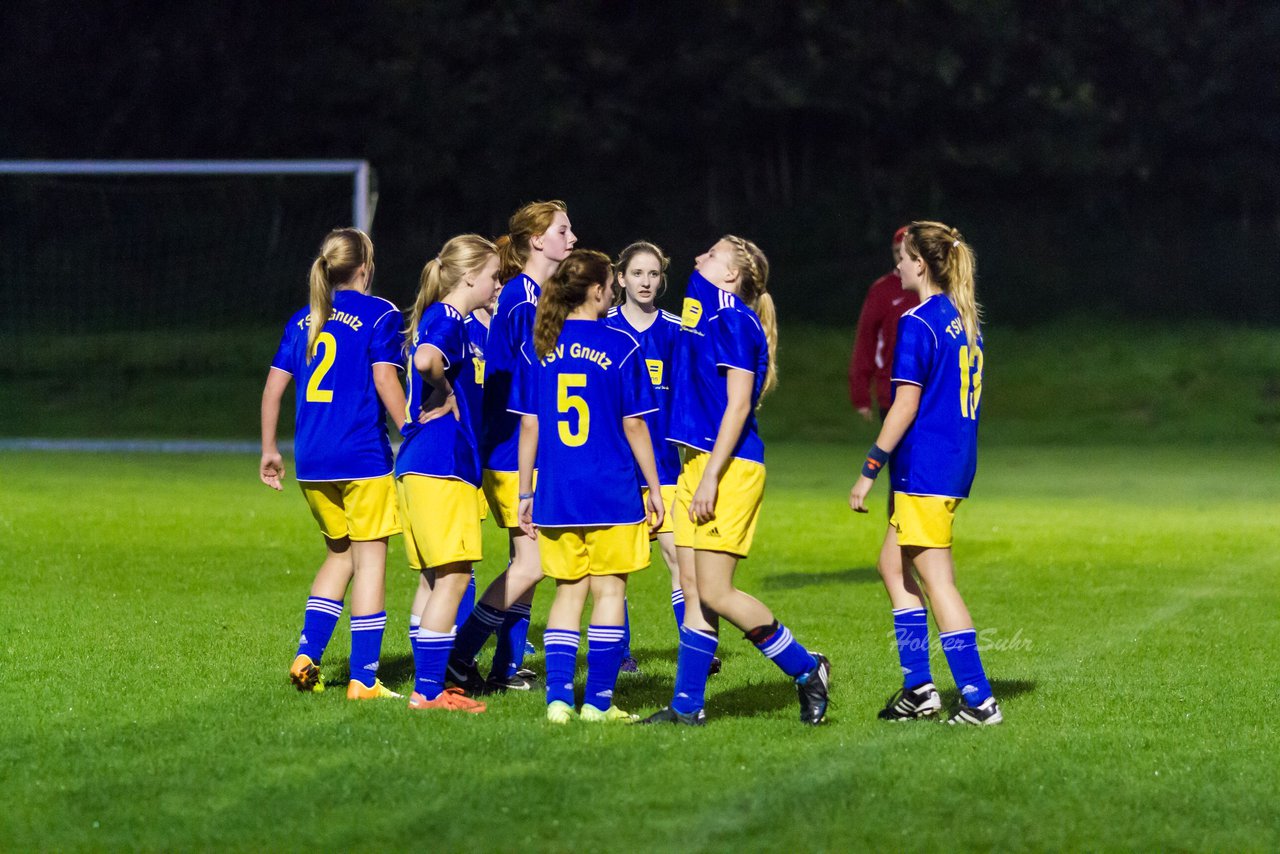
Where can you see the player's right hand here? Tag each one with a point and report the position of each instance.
(656, 511)
(524, 514)
(271, 469)
(858, 495)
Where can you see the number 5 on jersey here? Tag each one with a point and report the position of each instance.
(970, 381)
(566, 403)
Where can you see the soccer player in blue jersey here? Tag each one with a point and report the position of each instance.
(343, 352)
(438, 467)
(725, 361)
(641, 271)
(582, 396)
(930, 442)
(540, 237)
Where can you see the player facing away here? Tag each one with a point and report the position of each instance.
(725, 362)
(872, 356)
(930, 442)
(582, 397)
(641, 277)
(540, 237)
(438, 467)
(342, 352)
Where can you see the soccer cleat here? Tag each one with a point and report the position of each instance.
(668, 715)
(357, 690)
(494, 685)
(466, 676)
(908, 704)
(610, 715)
(629, 665)
(450, 700)
(716, 665)
(529, 648)
(560, 712)
(812, 689)
(527, 673)
(305, 675)
(986, 713)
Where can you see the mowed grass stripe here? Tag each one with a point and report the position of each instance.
(155, 604)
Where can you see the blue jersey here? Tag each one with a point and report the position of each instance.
(657, 345)
(445, 446)
(470, 382)
(939, 453)
(580, 393)
(340, 431)
(718, 332)
(511, 326)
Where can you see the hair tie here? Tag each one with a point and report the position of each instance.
(955, 243)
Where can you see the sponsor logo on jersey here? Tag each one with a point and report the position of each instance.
(691, 313)
(655, 370)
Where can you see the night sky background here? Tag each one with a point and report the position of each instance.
(1106, 158)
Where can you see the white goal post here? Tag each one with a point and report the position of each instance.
(363, 197)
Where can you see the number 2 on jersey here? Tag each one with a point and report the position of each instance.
(970, 381)
(315, 394)
(566, 403)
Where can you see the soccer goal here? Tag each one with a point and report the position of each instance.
(93, 246)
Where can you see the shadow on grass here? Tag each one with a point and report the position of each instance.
(793, 580)
(1004, 689)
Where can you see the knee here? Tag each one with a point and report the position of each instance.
(713, 596)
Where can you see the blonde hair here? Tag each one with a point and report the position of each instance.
(531, 220)
(459, 256)
(624, 260)
(951, 265)
(564, 292)
(753, 267)
(342, 253)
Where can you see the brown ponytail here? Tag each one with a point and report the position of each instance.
(531, 220)
(564, 292)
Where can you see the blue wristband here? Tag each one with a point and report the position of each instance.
(875, 461)
(522, 496)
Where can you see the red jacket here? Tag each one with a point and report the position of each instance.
(872, 358)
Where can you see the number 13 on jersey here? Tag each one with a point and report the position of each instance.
(970, 381)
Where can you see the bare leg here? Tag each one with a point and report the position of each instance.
(520, 576)
(368, 587)
(441, 609)
(716, 591)
(566, 610)
(608, 594)
(335, 573)
(937, 574)
(895, 572)
(667, 545)
(696, 615)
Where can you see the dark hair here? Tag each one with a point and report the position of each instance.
(564, 292)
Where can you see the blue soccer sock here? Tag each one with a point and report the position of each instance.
(511, 637)
(430, 657)
(562, 657)
(626, 629)
(318, 622)
(468, 603)
(784, 650)
(604, 659)
(697, 648)
(911, 632)
(961, 649)
(677, 606)
(366, 645)
(472, 634)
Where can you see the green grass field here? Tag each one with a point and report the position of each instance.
(1126, 586)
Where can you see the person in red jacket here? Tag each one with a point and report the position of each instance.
(877, 331)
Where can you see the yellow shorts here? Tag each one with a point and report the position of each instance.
(572, 553)
(441, 526)
(359, 509)
(484, 505)
(737, 506)
(502, 493)
(668, 506)
(923, 520)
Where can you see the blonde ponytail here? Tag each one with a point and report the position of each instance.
(753, 266)
(342, 253)
(459, 257)
(951, 265)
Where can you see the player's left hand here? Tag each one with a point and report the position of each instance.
(858, 495)
(439, 405)
(702, 508)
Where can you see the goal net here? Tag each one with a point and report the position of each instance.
(116, 247)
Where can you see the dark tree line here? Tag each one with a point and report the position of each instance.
(1100, 154)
